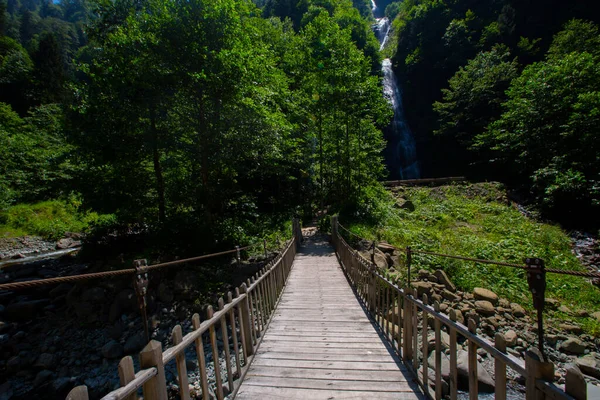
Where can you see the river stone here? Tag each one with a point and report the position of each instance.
(134, 344)
(422, 288)
(570, 328)
(431, 381)
(112, 349)
(484, 307)
(448, 295)
(445, 364)
(486, 295)
(444, 280)
(45, 361)
(486, 383)
(64, 243)
(42, 377)
(589, 365)
(572, 346)
(511, 338)
(517, 310)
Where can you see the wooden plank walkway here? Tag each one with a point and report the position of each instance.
(320, 343)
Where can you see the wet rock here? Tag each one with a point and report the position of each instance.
(484, 307)
(112, 349)
(444, 280)
(485, 295)
(572, 346)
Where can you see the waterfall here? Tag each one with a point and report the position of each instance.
(400, 152)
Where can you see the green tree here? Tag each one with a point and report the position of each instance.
(546, 132)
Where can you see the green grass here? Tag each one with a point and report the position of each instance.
(474, 220)
(49, 219)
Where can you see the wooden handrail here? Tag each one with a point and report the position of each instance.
(382, 298)
(249, 312)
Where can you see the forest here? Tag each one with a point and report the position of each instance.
(212, 117)
(506, 90)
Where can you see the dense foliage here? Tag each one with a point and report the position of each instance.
(505, 85)
(199, 113)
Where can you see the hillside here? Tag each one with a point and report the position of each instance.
(478, 220)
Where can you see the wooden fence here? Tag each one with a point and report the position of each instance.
(404, 319)
(243, 318)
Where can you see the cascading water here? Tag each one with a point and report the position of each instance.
(400, 153)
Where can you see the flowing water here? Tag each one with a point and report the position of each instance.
(400, 152)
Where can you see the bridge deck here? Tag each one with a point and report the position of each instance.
(321, 344)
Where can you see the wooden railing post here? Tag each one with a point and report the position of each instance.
(500, 369)
(407, 329)
(246, 322)
(472, 361)
(201, 359)
(151, 356)
(536, 369)
(78, 393)
(127, 374)
(184, 389)
(453, 360)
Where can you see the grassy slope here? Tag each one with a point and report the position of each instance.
(476, 221)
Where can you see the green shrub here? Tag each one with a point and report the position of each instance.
(50, 219)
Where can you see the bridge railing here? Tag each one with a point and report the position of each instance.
(248, 313)
(406, 322)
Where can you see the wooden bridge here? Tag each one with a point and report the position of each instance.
(324, 324)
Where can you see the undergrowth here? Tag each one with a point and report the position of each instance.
(475, 220)
(49, 219)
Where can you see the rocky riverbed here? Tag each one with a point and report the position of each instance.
(56, 337)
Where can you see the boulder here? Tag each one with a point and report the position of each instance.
(448, 295)
(596, 316)
(125, 302)
(565, 309)
(484, 307)
(486, 295)
(112, 349)
(134, 344)
(572, 346)
(380, 258)
(404, 204)
(422, 288)
(517, 310)
(385, 247)
(444, 280)
(511, 338)
(589, 365)
(445, 339)
(485, 381)
(445, 364)
(64, 243)
(42, 377)
(571, 328)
